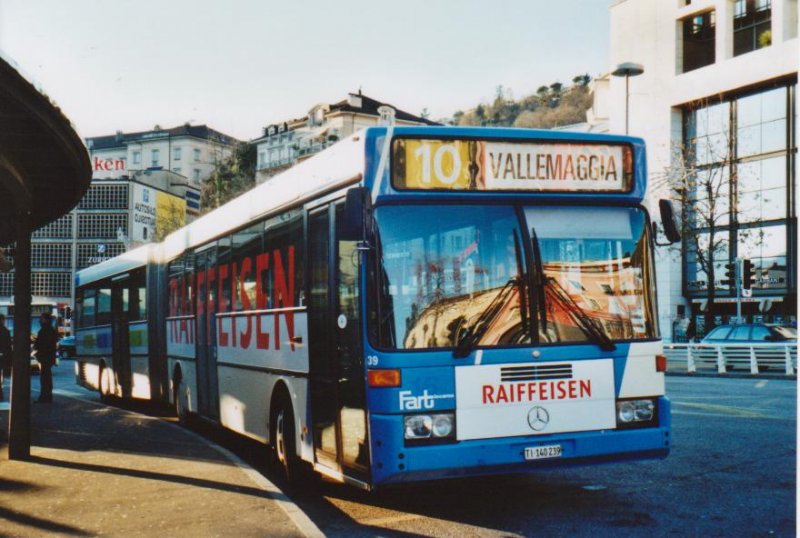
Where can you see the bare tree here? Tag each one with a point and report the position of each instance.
(699, 181)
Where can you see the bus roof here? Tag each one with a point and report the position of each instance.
(127, 261)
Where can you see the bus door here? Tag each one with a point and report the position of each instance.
(207, 392)
(120, 335)
(338, 397)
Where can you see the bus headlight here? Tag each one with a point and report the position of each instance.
(636, 413)
(440, 426)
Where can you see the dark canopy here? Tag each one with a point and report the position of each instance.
(42, 159)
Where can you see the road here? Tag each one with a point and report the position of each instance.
(731, 473)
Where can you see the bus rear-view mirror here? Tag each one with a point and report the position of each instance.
(669, 221)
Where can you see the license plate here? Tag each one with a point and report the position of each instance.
(543, 452)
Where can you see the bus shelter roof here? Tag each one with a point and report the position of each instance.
(42, 158)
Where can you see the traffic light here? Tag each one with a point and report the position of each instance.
(748, 275)
(730, 275)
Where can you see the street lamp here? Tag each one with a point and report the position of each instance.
(627, 70)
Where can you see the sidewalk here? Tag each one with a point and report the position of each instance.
(101, 471)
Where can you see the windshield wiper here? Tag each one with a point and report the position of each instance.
(587, 323)
(477, 330)
(473, 335)
(539, 281)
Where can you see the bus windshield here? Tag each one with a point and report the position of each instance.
(457, 273)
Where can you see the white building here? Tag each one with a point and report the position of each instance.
(719, 86)
(283, 144)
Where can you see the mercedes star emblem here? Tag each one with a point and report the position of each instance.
(538, 418)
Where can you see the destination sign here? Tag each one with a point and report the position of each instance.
(426, 164)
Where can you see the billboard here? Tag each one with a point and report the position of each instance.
(155, 213)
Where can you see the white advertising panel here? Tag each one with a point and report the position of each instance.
(508, 400)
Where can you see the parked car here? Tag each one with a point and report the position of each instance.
(750, 333)
(65, 348)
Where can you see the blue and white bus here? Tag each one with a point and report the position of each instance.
(410, 304)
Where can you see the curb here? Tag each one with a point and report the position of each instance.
(776, 377)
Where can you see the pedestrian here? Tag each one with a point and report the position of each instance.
(5, 353)
(46, 355)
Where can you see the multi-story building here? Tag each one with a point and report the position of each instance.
(717, 106)
(283, 144)
(142, 184)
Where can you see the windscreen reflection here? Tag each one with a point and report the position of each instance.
(450, 273)
(596, 269)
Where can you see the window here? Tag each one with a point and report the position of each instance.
(741, 148)
(699, 34)
(196, 175)
(196, 154)
(105, 197)
(176, 154)
(104, 305)
(740, 333)
(154, 157)
(102, 225)
(760, 333)
(58, 229)
(137, 157)
(88, 308)
(261, 158)
(720, 333)
(751, 25)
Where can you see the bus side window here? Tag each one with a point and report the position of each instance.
(103, 306)
(88, 308)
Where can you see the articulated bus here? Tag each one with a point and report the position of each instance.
(410, 304)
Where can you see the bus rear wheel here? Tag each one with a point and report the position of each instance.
(178, 395)
(104, 382)
(283, 440)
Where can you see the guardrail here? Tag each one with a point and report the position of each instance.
(722, 358)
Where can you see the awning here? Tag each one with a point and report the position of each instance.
(40, 154)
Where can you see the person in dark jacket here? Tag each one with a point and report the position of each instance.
(46, 355)
(5, 353)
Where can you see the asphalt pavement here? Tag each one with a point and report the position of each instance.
(98, 470)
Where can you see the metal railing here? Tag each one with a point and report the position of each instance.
(723, 358)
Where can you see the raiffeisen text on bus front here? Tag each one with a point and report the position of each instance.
(498, 400)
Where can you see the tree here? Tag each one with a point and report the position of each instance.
(231, 177)
(699, 181)
(170, 218)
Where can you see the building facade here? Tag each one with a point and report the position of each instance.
(283, 144)
(143, 184)
(717, 107)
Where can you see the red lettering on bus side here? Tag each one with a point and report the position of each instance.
(173, 297)
(586, 388)
(211, 303)
(284, 295)
(262, 264)
(520, 391)
(222, 303)
(531, 391)
(200, 294)
(244, 337)
(232, 306)
(488, 394)
(572, 392)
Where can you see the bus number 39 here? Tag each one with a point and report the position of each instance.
(424, 153)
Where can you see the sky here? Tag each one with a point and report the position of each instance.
(239, 65)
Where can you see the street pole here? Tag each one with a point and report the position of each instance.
(19, 421)
(627, 70)
(738, 290)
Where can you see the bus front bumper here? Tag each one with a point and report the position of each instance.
(393, 462)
